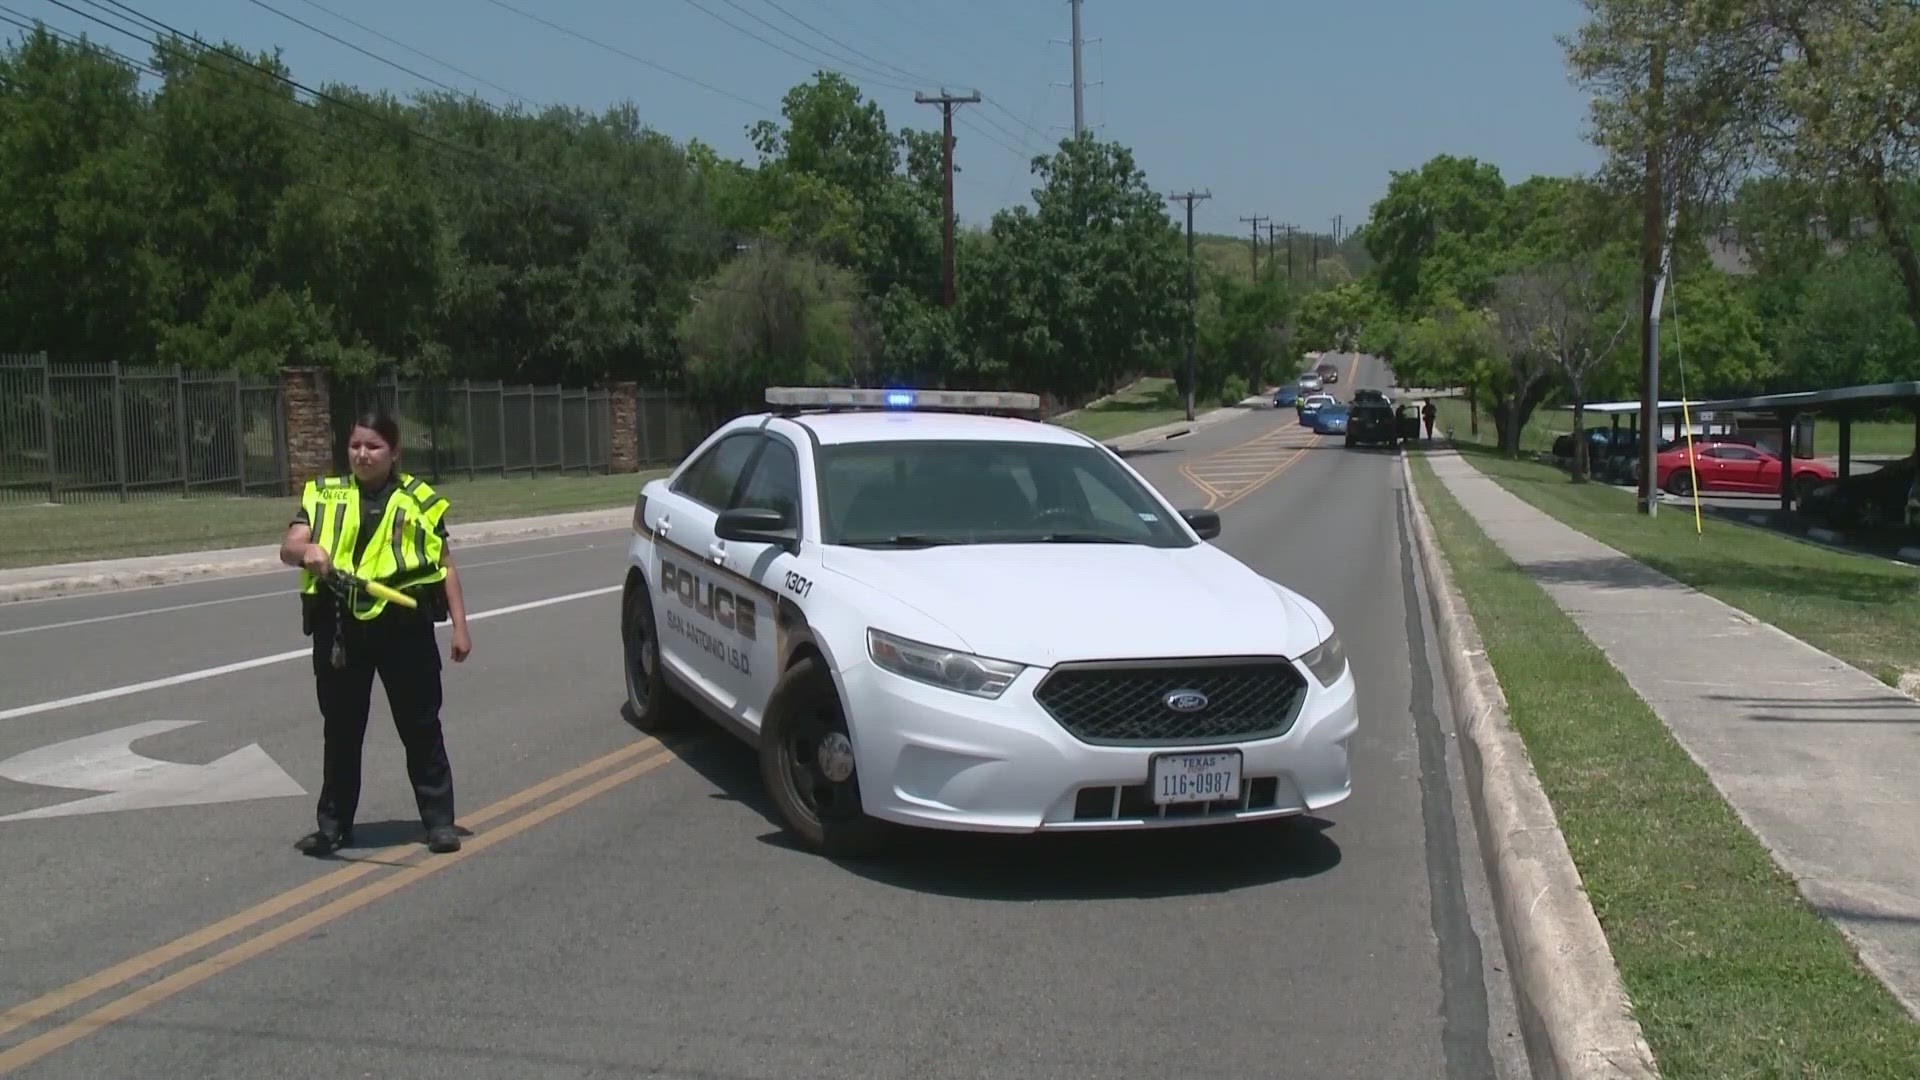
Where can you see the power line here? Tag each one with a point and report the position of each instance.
(641, 60)
(425, 56)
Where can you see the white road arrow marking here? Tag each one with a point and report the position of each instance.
(107, 763)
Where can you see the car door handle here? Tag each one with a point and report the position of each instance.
(717, 551)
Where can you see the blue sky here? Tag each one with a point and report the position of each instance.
(1293, 111)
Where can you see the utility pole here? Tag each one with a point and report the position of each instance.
(1079, 82)
(1651, 256)
(1271, 247)
(1190, 197)
(1290, 229)
(946, 102)
(1337, 218)
(1256, 242)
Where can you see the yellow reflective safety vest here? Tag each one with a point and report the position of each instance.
(405, 550)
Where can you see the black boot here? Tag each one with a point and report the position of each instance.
(324, 841)
(441, 839)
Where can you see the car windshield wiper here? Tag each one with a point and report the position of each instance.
(905, 540)
(1084, 538)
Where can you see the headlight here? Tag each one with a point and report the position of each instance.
(1327, 660)
(945, 668)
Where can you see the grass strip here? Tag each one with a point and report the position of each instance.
(1861, 609)
(1731, 974)
(36, 535)
(1147, 403)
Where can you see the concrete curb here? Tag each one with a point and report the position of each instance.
(1580, 1021)
(112, 575)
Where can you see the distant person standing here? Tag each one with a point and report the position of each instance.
(1427, 413)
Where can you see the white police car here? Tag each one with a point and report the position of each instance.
(925, 614)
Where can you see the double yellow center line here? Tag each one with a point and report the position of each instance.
(633, 760)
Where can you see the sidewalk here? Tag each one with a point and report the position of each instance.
(1819, 759)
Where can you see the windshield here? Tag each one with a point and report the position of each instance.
(912, 494)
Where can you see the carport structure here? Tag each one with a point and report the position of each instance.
(1843, 404)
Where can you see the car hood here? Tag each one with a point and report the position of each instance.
(1044, 604)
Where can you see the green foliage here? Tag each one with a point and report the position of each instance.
(772, 317)
(224, 221)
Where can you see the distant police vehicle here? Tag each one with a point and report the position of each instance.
(926, 610)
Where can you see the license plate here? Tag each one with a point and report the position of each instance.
(1196, 778)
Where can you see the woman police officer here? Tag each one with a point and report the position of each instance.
(382, 525)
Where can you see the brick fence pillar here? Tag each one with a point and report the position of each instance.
(624, 455)
(309, 419)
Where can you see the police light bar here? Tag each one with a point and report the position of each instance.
(834, 397)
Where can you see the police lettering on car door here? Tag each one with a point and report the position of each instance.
(713, 604)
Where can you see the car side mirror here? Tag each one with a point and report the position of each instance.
(1204, 522)
(757, 525)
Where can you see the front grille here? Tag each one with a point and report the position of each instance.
(1125, 704)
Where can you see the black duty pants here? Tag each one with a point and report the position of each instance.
(400, 647)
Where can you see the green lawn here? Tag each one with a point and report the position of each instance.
(1862, 609)
(1147, 403)
(1729, 972)
(76, 532)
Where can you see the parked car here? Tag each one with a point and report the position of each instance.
(1372, 422)
(1886, 497)
(1724, 466)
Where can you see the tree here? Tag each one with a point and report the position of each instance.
(1244, 332)
(773, 317)
(1846, 80)
(1574, 317)
(1086, 287)
(1332, 319)
(1436, 230)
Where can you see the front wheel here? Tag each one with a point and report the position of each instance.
(807, 764)
(650, 701)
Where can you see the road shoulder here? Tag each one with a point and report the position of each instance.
(1575, 1010)
(1731, 964)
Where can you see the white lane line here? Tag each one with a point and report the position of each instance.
(278, 593)
(261, 661)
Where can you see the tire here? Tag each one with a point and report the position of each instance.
(651, 702)
(805, 713)
(1680, 483)
(1802, 486)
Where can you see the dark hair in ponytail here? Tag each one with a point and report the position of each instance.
(382, 424)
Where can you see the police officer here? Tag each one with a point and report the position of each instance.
(379, 524)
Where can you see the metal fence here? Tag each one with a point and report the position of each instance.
(472, 429)
(109, 431)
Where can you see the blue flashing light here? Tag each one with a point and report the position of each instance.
(899, 399)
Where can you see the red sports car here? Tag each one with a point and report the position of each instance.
(1734, 467)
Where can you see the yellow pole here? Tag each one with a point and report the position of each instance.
(1686, 418)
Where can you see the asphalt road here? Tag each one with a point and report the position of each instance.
(626, 904)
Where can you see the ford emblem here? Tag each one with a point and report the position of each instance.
(1186, 701)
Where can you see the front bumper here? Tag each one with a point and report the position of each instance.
(939, 759)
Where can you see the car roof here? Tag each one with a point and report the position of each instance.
(876, 425)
